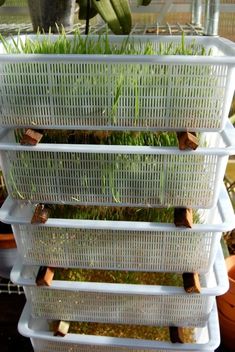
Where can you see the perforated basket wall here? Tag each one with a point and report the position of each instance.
(123, 177)
(184, 92)
(56, 346)
(156, 250)
(156, 180)
(166, 310)
(39, 330)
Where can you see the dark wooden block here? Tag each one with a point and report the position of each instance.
(187, 140)
(176, 335)
(31, 137)
(191, 282)
(183, 217)
(45, 276)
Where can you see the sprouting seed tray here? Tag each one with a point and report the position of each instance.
(184, 92)
(38, 330)
(117, 175)
(131, 245)
(122, 303)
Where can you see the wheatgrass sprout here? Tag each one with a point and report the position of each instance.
(102, 92)
(80, 44)
(110, 171)
(163, 215)
(120, 177)
(156, 139)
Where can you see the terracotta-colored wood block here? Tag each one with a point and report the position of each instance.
(31, 137)
(191, 282)
(45, 276)
(44, 215)
(187, 140)
(183, 217)
(41, 214)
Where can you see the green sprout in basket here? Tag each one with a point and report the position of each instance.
(114, 93)
(118, 176)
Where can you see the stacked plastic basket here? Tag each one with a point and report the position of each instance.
(176, 93)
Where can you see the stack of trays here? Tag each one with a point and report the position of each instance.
(119, 93)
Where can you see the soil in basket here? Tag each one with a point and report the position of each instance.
(119, 277)
(127, 331)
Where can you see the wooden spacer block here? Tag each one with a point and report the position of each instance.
(62, 328)
(191, 282)
(31, 137)
(36, 214)
(183, 217)
(187, 140)
(44, 215)
(45, 276)
(176, 334)
(41, 214)
(151, 31)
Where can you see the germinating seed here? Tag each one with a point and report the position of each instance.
(119, 277)
(127, 331)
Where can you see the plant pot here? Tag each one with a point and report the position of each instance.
(226, 308)
(228, 297)
(230, 263)
(226, 302)
(49, 15)
(227, 329)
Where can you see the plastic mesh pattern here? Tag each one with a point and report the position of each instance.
(117, 249)
(166, 310)
(56, 346)
(113, 95)
(127, 179)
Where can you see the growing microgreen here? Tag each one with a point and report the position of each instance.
(101, 44)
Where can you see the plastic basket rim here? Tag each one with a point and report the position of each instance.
(212, 326)
(227, 136)
(224, 207)
(219, 271)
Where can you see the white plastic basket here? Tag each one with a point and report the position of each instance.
(207, 339)
(119, 245)
(122, 303)
(117, 175)
(155, 92)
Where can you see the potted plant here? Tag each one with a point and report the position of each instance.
(49, 15)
